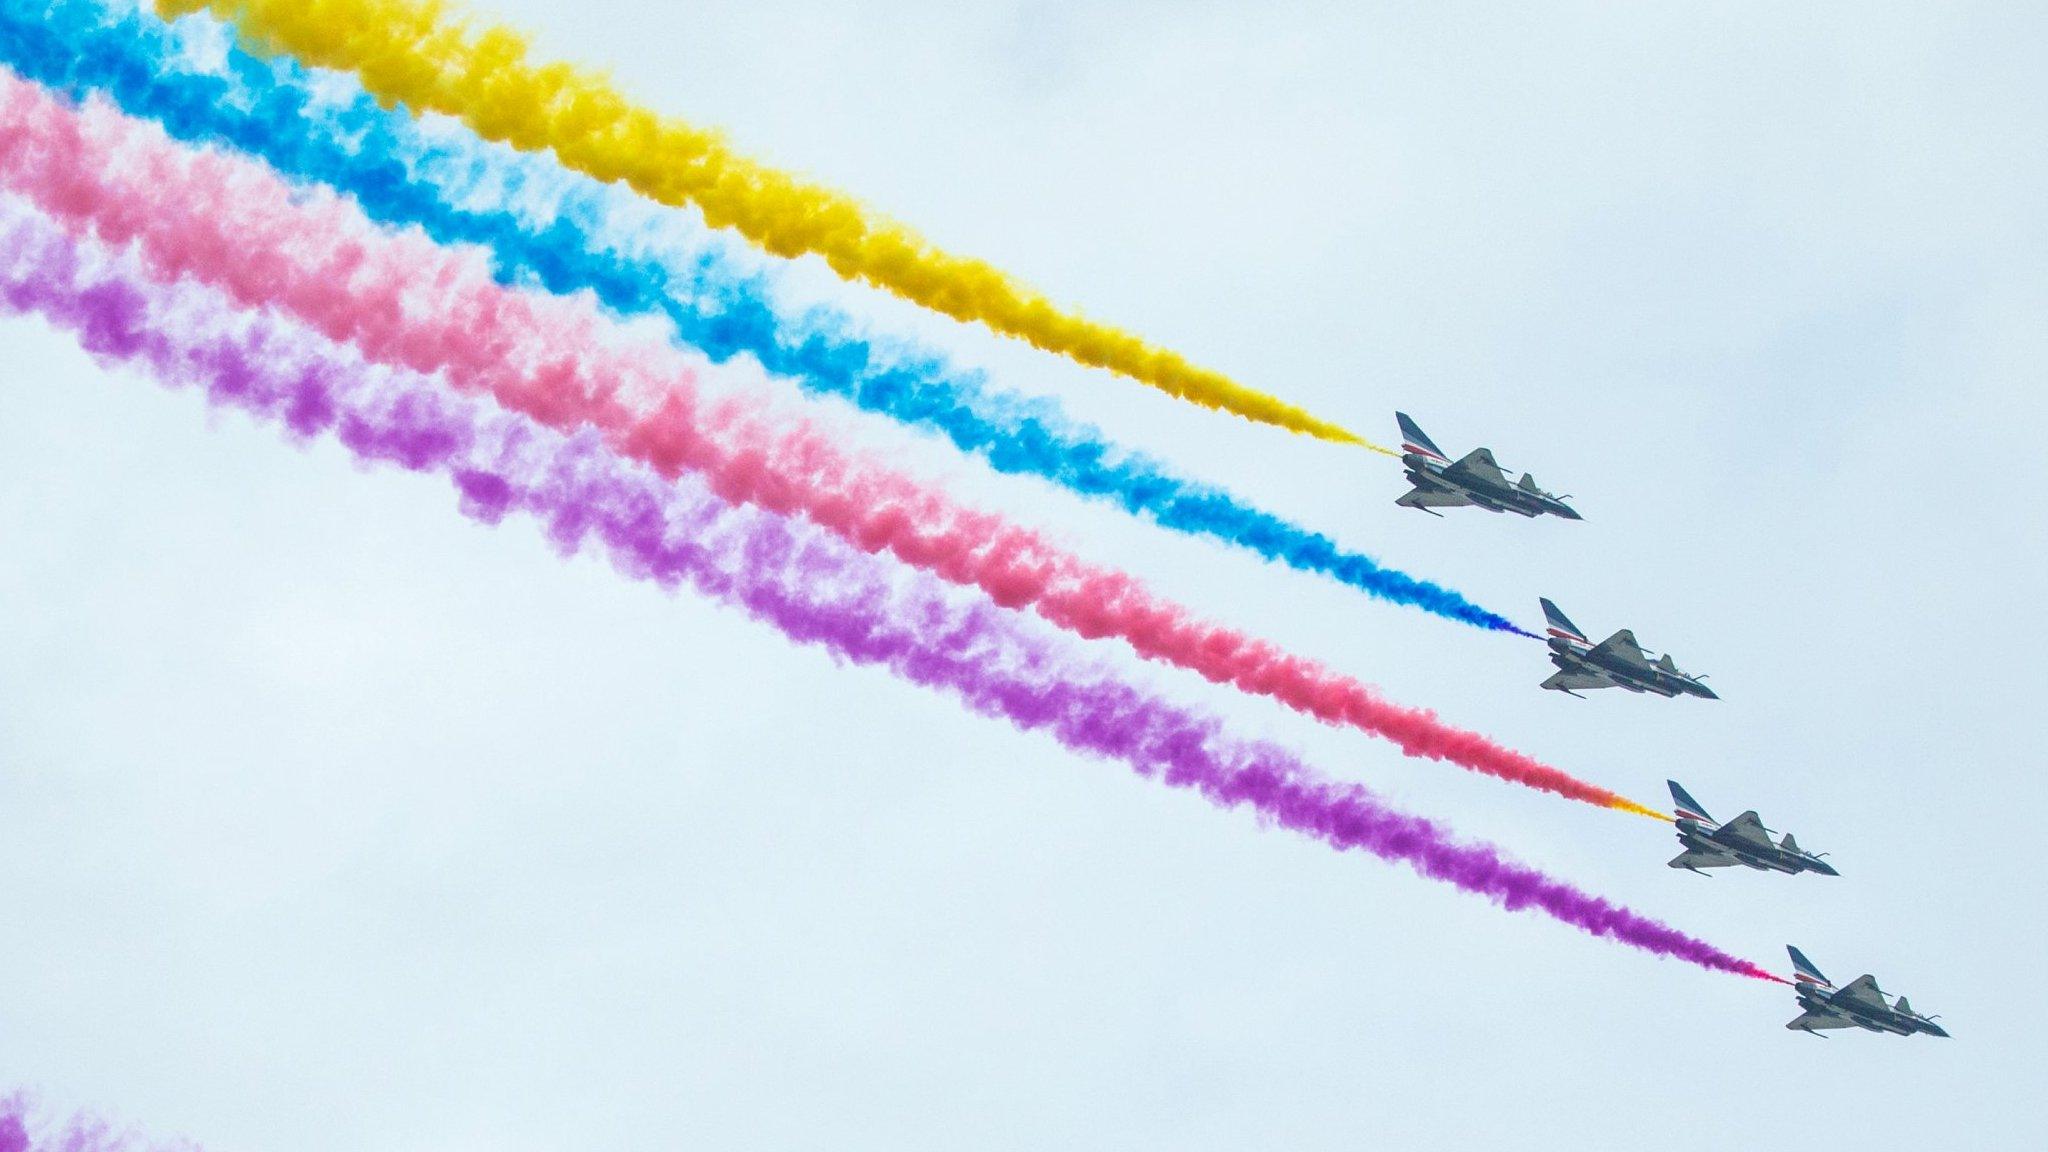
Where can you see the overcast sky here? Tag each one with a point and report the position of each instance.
(333, 822)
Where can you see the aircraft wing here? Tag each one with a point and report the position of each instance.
(1572, 681)
(1746, 830)
(1433, 498)
(1863, 990)
(1622, 645)
(1478, 467)
(1703, 860)
(1813, 1021)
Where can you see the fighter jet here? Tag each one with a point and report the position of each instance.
(1616, 662)
(1860, 1005)
(1743, 840)
(1476, 479)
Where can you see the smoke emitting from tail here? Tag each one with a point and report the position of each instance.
(809, 585)
(408, 52)
(405, 302)
(542, 223)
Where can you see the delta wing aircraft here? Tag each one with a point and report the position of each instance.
(1859, 1005)
(1743, 840)
(1616, 662)
(1475, 479)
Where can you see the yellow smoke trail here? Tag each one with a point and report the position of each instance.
(1626, 805)
(414, 52)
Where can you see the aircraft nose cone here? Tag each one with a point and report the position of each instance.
(1705, 691)
(1823, 867)
(1568, 512)
(1935, 1030)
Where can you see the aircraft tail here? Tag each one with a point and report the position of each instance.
(1685, 806)
(1414, 439)
(1803, 971)
(1561, 625)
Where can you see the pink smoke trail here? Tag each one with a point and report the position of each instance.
(810, 585)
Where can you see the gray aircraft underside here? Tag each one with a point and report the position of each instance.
(1743, 840)
(1616, 662)
(1858, 1004)
(1476, 480)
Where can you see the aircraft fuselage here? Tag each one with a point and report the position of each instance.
(1696, 838)
(1429, 474)
(1623, 674)
(1864, 1017)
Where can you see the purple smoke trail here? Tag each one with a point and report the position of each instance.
(82, 1133)
(809, 585)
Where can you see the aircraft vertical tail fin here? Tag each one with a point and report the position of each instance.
(1414, 439)
(1561, 625)
(1803, 971)
(1685, 806)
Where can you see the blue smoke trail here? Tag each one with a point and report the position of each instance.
(313, 126)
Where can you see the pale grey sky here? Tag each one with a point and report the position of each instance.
(331, 821)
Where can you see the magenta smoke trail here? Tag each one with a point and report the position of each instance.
(808, 584)
(231, 223)
(22, 1132)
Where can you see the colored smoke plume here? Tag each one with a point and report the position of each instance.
(542, 223)
(412, 53)
(406, 302)
(808, 584)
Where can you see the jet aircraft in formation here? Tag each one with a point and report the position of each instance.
(1859, 1004)
(1473, 480)
(1616, 662)
(1743, 840)
(1620, 662)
